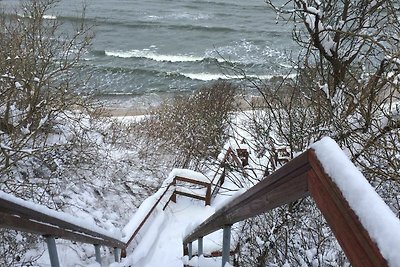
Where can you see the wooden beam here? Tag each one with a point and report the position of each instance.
(186, 194)
(26, 214)
(14, 222)
(346, 226)
(302, 176)
(192, 181)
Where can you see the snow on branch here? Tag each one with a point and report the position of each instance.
(313, 20)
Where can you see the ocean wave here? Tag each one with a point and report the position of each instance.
(154, 22)
(245, 51)
(159, 57)
(180, 16)
(221, 76)
(204, 28)
(122, 73)
(48, 17)
(227, 4)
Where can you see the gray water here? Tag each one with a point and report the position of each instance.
(149, 47)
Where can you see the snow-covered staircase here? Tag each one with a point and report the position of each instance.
(182, 201)
(174, 217)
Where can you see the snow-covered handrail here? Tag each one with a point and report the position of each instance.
(137, 228)
(365, 227)
(21, 215)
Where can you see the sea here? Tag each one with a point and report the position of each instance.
(144, 50)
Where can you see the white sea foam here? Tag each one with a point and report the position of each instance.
(49, 17)
(146, 53)
(207, 76)
(180, 16)
(245, 51)
(217, 76)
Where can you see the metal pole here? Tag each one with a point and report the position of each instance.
(190, 251)
(97, 253)
(116, 254)
(200, 246)
(226, 244)
(51, 245)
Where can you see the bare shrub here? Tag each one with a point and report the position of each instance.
(192, 128)
(42, 123)
(38, 88)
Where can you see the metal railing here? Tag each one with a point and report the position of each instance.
(301, 177)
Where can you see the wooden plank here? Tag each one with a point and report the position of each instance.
(192, 181)
(283, 186)
(21, 224)
(273, 196)
(186, 194)
(351, 235)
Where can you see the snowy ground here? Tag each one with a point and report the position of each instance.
(162, 245)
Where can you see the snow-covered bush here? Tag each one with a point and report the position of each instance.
(38, 124)
(39, 97)
(192, 128)
(291, 236)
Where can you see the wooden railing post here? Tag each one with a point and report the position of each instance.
(200, 246)
(173, 196)
(97, 253)
(52, 248)
(226, 244)
(208, 195)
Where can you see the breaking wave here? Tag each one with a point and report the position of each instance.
(216, 76)
(159, 57)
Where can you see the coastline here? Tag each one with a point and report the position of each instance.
(130, 109)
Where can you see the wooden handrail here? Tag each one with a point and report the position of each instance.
(350, 233)
(18, 217)
(283, 186)
(149, 214)
(302, 176)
